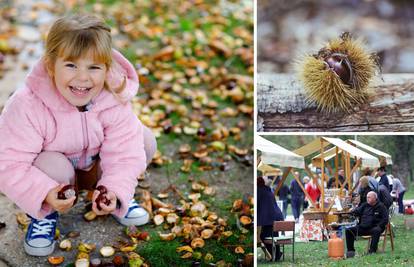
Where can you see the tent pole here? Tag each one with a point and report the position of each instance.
(348, 170)
(336, 167)
(323, 177)
(285, 174)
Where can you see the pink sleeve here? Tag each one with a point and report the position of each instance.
(122, 155)
(20, 143)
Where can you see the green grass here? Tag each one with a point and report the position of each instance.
(409, 194)
(163, 253)
(316, 253)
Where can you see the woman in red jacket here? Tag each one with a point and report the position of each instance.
(313, 189)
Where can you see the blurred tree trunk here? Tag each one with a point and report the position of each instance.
(401, 168)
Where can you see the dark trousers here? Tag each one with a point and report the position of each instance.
(296, 206)
(285, 206)
(353, 232)
(267, 232)
(400, 202)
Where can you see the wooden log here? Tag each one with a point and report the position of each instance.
(282, 106)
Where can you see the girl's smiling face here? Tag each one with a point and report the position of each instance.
(80, 80)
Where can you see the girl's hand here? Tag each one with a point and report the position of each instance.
(106, 209)
(60, 205)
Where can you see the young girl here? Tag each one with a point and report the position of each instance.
(72, 123)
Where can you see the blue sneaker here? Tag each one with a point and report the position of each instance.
(40, 236)
(136, 215)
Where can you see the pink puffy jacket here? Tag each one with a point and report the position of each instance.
(37, 118)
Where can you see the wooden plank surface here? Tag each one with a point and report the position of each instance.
(283, 107)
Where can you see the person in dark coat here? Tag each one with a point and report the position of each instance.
(384, 196)
(267, 212)
(373, 218)
(382, 173)
(297, 197)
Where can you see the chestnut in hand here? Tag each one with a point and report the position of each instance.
(67, 192)
(102, 189)
(101, 198)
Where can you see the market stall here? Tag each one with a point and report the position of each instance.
(320, 214)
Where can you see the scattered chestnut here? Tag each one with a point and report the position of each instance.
(201, 132)
(230, 85)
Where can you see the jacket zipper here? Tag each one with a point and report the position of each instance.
(85, 139)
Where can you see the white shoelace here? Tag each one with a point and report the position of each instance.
(43, 227)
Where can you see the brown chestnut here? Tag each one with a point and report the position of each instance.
(101, 198)
(340, 64)
(67, 192)
(102, 189)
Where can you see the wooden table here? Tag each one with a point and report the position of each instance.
(313, 225)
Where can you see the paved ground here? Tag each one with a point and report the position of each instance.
(101, 231)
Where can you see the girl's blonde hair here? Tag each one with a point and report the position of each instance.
(71, 37)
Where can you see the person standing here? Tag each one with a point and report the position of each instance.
(305, 185)
(313, 189)
(297, 196)
(283, 195)
(399, 190)
(382, 173)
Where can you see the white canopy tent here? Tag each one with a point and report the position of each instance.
(382, 155)
(277, 155)
(367, 160)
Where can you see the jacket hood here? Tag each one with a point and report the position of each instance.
(40, 83)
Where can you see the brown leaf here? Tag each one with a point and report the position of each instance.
(239, 250)
(165, 53)
(159, 204)
(158, 219)
(55, 260)
(245, 220)
(166, 237)
(207, 233)
(220, 48)
(197, 242)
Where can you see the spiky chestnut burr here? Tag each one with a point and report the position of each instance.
(338, 76)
